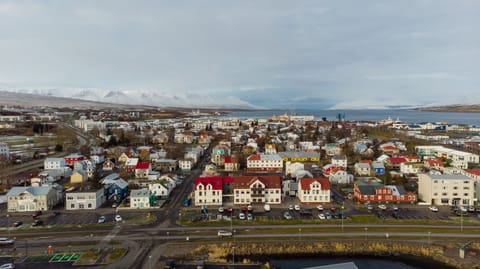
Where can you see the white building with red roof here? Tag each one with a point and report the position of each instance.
(257, 189)
(208, 191)
(434, 164)
(142, 170)
(314, 190)
(271, 163)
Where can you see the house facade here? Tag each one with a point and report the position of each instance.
(208, 191)
(314, 190)
(71, 159)
(257, 189)
(372, 190)
(142, 170)
(26, 199)
(446, 189)
(85, 200)
(271, 163)
(141, 199)
(54, 163)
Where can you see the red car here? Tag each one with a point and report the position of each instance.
(36, 214)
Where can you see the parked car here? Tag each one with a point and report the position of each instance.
(321, 216)
(6, 241)
(7, 266)
(250, 208)
(297, 207)
(101, 219)
(169, 264)
(471, 209)
(395, 208)
(267, 208)
(287, 215)
(320, 207)
(118, 218)
(249, 216)
(333, 209)
(433, 208)
(17, 223)
(328, 216)
(221, 209)
(241, 216)
(369, 207)
(36, 214)
(290, 207)
(37, 222)
(244, 209)
(382, 207)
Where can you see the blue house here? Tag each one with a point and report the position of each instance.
(115, 187)
(378, 168)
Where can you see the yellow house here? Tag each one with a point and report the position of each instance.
(78, 177)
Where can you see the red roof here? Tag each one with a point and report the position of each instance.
(254, 157)
(366, 161)
(244, 182)
(216, 182)
(143, 165)
(397, 160)
(390, 147)
(474, 171)
(307, 182)
(435, 162)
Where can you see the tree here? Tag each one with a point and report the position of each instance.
(58, 148)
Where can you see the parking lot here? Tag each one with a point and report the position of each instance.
(65, 217)
(330, 211)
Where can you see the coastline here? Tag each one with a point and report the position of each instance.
(438, 255)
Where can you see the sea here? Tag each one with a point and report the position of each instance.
(404, 115)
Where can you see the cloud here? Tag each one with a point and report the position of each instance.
(309, 53)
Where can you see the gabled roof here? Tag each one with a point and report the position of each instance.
(244, 182)
(434, 162)
(305, 183)
(216, 182)
(397, 160)
(143, 165)
(132, 162)
(140, 193)
(35, 191)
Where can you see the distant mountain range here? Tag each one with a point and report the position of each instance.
(103, 97)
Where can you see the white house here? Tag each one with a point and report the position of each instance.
(54, 163)
(314, 190)
(185, 165)
(160, 188)
(208, 191)
(23, 199)
(140, 199)
(339, 161)
(79, 200)
(363, 169)
(257, 189)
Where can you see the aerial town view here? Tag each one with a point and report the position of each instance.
(236, 134)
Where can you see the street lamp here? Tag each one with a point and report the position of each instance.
(149, 261)
(8, 224)
(366, 229)
(429, 237)
(299, 233)
(342, 208)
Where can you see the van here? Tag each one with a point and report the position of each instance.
(224, 233)
(267, 207)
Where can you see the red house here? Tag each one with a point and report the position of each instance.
(73, 158)
(372, 190)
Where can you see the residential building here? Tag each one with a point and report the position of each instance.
(407, 168)
(108, 165)
(71, 159)
(160, 188)
(4, 152)
(434, 164)
(54, 163)
(313, 190)
(91, 199)
(131, 164)
(24, 199)
(165, 165)
(270, 149)
(116, 187)
(459, 159)
(257, 189)
(300, 156)
(378, 168)
(363, 169)
(339, 161)
(141, 199)
(208, 191)
(264, 163)
(231, 164)
(142, 170)
(367, 189)
(446, 189)
(340, 177)
(185, 165)
(78, 177)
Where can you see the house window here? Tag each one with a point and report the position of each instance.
(72, 205)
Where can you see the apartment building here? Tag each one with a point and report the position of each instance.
(446, 189)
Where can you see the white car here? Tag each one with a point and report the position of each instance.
(321, 216)
(297, 207)
(287, 215)
(241, 216)
(395, 208)
(118, 218)
(433, 208)
(290, 207)
(221, 209)
(7, 266)
(382, 207)
(320, 207)
(369, 207)
(101, 219)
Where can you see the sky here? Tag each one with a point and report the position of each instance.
(272, 53)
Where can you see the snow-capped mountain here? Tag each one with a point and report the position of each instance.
(143, 97)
